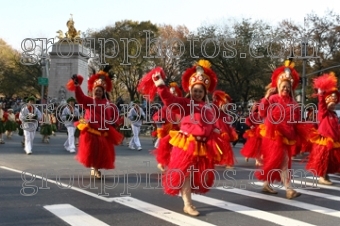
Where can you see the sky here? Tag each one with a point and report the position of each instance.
(42, 19)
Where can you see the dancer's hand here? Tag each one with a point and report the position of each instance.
(157, 79)
(270, 92)
(75, 79)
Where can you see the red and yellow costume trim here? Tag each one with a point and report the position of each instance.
(84, 126)
(277, 135)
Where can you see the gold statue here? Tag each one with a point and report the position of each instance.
(72, 34)
(61, 34)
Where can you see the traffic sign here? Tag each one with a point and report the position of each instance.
(43, 81)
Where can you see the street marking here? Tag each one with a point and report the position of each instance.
(181, 219)
(73, 216)
(259, 214)
(289, 202)
(60, 184)
(309, 192)
(318, 186)
(153, 210)
(334, 181)
(159, 212)
(334, 175)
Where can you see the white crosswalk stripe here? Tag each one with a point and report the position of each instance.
(309, 192)
(259, 214)
(159, 212)
(295, 203)
(74, 215)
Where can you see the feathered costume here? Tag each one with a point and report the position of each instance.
(195, 146)
(252, 147)
(224, 123)
(171, 122)
(325, 154)
(165, 118)
(281, 129)
(97, 136)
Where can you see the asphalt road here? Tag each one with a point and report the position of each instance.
(50, 187)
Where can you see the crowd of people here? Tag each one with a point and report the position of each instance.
(194, 134)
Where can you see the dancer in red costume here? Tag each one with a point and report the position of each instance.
(165, 119)
(97, 136)
(196, 146)
(325, 154)
(171, 122)
(280, 129)
(252, 147)
(306, 147)
(224, 123)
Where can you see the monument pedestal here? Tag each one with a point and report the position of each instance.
(67, 59)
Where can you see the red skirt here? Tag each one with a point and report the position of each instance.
(162, 153)
(191, 158)
(96, 148)
(252, 147)
(273, 155)
(324, 157)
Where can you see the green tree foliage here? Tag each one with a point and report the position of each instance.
(169, 49)
(238, 55)
(125, 49)
(16, 78)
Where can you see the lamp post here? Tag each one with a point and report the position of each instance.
(44, 62)
(43, 65)
(304, 44)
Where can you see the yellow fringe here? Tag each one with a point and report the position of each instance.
(182, 141)
(162, 132)
(323, 141)
(159, 132)
(263, 133)
(250, 133)
(84, 125)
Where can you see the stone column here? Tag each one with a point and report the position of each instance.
(67, 59)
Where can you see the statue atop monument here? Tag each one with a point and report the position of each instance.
(72, 34)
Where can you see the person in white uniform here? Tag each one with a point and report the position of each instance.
(29, 116)
(136, 115)
(70, 115)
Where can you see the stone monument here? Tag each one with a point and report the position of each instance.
(68, 57)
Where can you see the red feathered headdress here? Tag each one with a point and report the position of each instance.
(285, 73)
(327, 84)
(221, 98)
(199, 74)
(147, 86)
(101, 79)
(174, 89)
